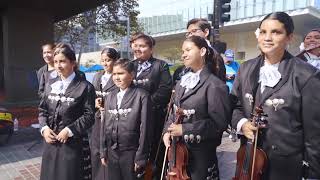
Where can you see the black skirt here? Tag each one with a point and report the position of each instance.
(69, 161)
(99, 171)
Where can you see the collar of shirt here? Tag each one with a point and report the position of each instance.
(60, 87)
(190, 80)
(66, 82)
(313, 60)
(53, 74)
(269, 75)
(105, 78)
(120, 95)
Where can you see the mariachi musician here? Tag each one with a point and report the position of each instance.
(311, 48)
(103, 84)
(66, 112)
(205, 103)
(152, 75)
(127, 126)
(285, 87)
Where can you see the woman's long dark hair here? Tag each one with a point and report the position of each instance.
(282, 17)
(111, 53)
(126, 64)
(211, 55)
(66, 50)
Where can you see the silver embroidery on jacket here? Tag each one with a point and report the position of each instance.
(274, 102)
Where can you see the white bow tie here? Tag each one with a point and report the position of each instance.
(143, 66)
(269, 76)
(190, 80)
(57, 87)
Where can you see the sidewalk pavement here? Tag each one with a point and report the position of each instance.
(16, 161)
(20, 159)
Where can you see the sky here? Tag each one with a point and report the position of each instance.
(149, 8)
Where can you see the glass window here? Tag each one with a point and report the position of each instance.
(234, 10)
(268, 6)
(289, 4)
(249, 8)
(279, 5)
(317, 3)
(241, 9)
(300, 3)
(259, 7)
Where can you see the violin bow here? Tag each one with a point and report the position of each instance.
(308, 49)
(166, 118)
(164, 162)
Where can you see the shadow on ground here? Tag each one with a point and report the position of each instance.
(26, 143)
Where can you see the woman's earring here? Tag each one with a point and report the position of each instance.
(288, 46)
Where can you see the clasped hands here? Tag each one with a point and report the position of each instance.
(51, 137)
(104, 162)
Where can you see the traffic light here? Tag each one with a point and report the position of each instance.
(224, 10)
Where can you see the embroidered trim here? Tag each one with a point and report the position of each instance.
(186, 112)
(99, 93)
(140, 81)
(120, 112)
(61, 98)
(274, 102)
(250, 98)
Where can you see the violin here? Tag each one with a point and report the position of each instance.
(252, 160)
(150, 168)
(177, 154)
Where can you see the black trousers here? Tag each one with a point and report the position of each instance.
(157, 146)
(284, 167)
(121, 165)
(203, 163)
(99, 171)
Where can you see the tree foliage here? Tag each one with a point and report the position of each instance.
(172, 54)
(104, 20)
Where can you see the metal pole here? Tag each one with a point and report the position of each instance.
(216, 21)
(128, 37)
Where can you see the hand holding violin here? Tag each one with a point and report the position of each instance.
(175, 129)
(248, 130)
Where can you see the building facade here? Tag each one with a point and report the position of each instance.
(169, 28)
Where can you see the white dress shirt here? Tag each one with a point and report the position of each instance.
(120, 95)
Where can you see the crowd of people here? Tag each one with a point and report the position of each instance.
(133, 119)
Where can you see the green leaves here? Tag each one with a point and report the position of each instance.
(103, 20)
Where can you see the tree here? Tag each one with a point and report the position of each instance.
(103, 20)
(172, 54)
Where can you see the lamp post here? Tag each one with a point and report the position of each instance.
(128, 37)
